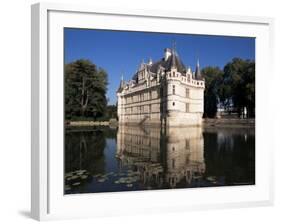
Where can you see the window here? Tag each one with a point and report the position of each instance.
(158, 93)
(173, 103)
(174, 90)
(187, 92)
(187, 144)
(187, 107)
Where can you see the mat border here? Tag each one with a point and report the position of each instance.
(39, 92)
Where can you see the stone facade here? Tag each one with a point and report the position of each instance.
(162, 93)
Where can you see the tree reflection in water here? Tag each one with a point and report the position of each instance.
(138, 158)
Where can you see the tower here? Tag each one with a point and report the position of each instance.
(120, 103)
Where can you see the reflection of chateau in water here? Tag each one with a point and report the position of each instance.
(137, 158)
(164, 158)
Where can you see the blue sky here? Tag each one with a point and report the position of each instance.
(121, 52)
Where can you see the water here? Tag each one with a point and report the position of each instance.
(137, 158)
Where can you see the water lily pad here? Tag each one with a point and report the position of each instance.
(101, 180)
(110, 173)
(76, 184)
(211, 178)
(74, 177)
(134, 179)
(122, 180)
(84, 177)
(80, 172)
(68, 175)
(97, 175)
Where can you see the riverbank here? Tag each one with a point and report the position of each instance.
(87, 123)
(209, 122)
(229, 122)
(91, 123)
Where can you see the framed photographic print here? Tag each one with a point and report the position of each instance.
(151, 111)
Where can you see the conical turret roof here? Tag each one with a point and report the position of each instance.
(198, 75)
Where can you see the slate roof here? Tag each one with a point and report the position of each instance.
(173, 60)
(198, 75)
(121, 86)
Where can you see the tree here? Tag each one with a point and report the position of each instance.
(111, 111)
(85, 89)
(213, 79)
(239, 84)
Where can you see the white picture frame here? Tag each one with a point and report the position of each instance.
(48, 201)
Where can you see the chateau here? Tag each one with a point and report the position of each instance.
(165, 93)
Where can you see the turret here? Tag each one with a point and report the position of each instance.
(173, 62)
(122, 84)
(167, 53)
(198, 75)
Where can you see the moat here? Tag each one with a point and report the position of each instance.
(128, 158)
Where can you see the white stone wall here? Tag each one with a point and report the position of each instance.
(180, 103)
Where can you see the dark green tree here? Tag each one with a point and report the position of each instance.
(239, 84)
(213, 79)
(85, 90)
(111, 111)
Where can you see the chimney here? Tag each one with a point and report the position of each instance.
(167, 53)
